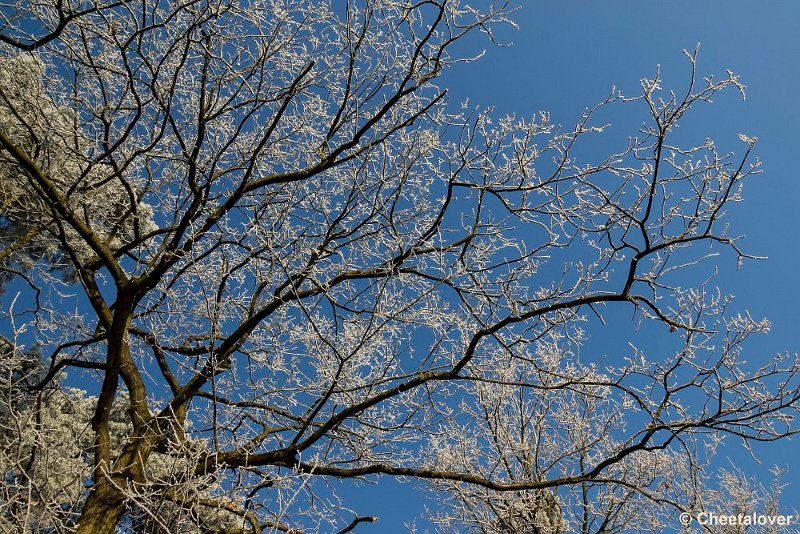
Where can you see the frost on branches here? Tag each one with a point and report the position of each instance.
(49, 135)
(252, 256)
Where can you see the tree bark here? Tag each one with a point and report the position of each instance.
(102, 511)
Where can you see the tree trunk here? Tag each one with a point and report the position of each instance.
(103, 510)
(105, 504)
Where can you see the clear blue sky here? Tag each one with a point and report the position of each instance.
(568, 53)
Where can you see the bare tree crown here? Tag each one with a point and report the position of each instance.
(278, 259)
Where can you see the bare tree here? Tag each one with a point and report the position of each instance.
(291, 262)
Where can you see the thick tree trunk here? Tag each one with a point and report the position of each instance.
(106, 504)
(102, 511)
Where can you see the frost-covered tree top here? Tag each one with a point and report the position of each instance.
(50, 134)
(291, 265)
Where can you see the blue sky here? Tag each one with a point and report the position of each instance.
(567, 54)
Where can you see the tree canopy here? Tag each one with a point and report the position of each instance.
(251, 254)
